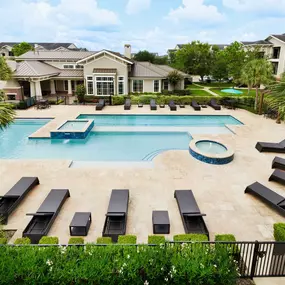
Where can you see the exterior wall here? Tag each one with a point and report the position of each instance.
(4, 51)
(281, 60)
(16, 91)
(106, 62)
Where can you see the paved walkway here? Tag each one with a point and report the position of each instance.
(207, 89)
(269, 281)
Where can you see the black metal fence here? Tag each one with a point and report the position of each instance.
(254, 259)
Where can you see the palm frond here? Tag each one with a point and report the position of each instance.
(7, 114)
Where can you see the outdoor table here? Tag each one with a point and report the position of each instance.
(160, 222)
(80, 224)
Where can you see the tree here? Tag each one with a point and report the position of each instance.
(80, 92)
(163, 60)
(144, 55)
(174, 77)
(275, 98)
(195, 58)
(220, 67)
(7, 113)
(255, 73)
(21, 48)
(5, 70)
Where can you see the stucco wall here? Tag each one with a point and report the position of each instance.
(281, 61)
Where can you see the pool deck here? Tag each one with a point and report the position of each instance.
(219, 189)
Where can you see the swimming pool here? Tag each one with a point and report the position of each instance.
(99, 146)
(162, 120)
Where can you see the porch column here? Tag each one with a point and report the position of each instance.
(38, 90)
(75, 85)
(32, 89)
(52, 87)
(69, 87)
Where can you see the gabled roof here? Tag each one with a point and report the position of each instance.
(48, 46)
(147, 69)
(56, 55)
(72, 73)
(260, 42)
(35, 69)
(280, 37)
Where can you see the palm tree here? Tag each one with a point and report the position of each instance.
(6, 111)
(174, 77)
(275, 98)
(255, 73)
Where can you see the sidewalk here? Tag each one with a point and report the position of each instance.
(269, 281)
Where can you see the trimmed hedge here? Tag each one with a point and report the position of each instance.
(279, 231)
(104, 240)
(3, 240)
(127, 239)
(48, 240)
(76, 240)
(118, 100)
(25, 240)
(190, 237)
(225, 237)
(154, 239)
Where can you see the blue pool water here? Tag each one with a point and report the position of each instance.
(162, 120)
(231, 91)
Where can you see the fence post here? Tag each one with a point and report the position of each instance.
(254, 259)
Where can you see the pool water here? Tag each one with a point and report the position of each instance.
(162, 120)
(73, 125)
(232, 91)
(211, 147)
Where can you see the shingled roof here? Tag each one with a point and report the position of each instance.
(260, 42)
(280, 37)
(48, 46)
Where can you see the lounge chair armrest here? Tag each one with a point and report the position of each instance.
(195, 215)
(39, 214)
(115, 214)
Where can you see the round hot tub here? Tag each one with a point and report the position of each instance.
(210, 151)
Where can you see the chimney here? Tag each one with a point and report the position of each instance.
(128, 51)
(36, 46)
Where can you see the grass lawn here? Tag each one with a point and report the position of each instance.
(244, 91)
(194, 86)
(216, 84)
(200, 93)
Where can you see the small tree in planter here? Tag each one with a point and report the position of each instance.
(80, 93)
(174, 77)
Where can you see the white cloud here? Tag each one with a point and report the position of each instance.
(136, 6)
(256, 5)
(196, 10)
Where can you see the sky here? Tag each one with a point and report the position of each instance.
(154, 25)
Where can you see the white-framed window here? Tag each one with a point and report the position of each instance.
(138, 86)
(90, 84)
(155, 85)
(79, 66)
(121, 85)
(165, 84)
(105, 85)
(68, 66)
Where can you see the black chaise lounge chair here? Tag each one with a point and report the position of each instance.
(172, 106)
(153, 105)
(269, 197)
(278, 176)
(191, 216)
(11, 200)
(278, 163)
(100, 105)
(127, 105)
(43, 219)
(195, 105)
(213, 103)
(271, 147)
(116, 217)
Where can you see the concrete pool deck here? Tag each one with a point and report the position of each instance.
(219, 189)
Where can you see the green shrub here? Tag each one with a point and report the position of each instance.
(225, 237)
(118, 100)
(25, 240)
(190, 237)
(156, 239)
(22, 105)
(279, 231)
(48, 240)
(76, 240)
(3, 240)
(80, 92)
(127, 239)
(104, 240)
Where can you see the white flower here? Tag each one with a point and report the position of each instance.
(124, 264)
(121, 271)
(215, 265)
(90, 253)
(138, 251)
(166, 279)
(162, 268)
(49, 262)
(145, 282)
(50, 269)
(128, 256)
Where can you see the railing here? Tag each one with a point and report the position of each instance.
(254, 259)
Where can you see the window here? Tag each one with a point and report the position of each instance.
(276, 52)
(138, 86)
(121, 83)
(90, 90)
(79, 66)
(68, 66)
(155, 85)
(11, 53)
(11, 96)
(165, 85)
(105, 85)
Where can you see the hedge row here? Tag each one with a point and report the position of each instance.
(118, 265)
(127, 239)
(279, 231)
